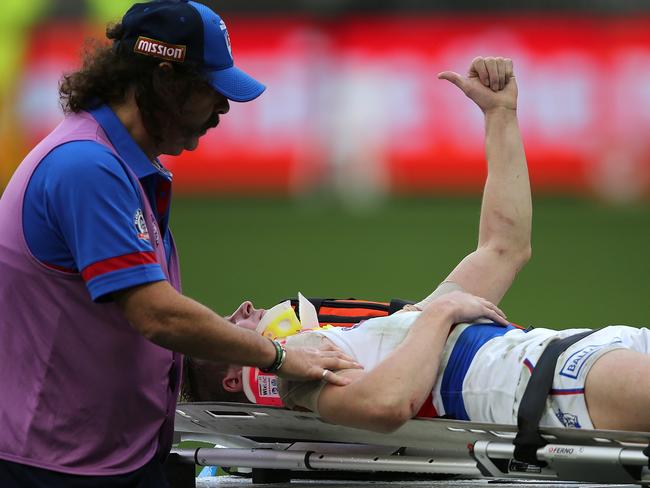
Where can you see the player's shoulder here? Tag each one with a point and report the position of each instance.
(399, 320)
(81, 162)
(305, 338)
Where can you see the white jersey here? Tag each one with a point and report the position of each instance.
(492, 372)
(490, 376)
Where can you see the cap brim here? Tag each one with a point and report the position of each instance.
(236, 85)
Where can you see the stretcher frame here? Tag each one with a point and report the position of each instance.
(272, 438)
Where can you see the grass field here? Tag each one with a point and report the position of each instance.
(590, 263)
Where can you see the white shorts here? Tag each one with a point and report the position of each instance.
(496, 380)
(566, 406)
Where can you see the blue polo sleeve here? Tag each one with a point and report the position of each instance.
(82, 213)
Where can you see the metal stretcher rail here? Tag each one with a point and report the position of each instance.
(278, 439)
(313, 460)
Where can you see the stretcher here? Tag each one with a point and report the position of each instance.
(272, 438)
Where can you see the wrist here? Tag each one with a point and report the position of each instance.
(267, 355)
(280, 355)
(501, 111)
(442, 310)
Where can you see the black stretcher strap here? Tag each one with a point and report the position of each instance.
(397, 304)
(531, 408)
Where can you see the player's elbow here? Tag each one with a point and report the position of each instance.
(516, 255)
(522, 255)
(527, 253)
(387, 417)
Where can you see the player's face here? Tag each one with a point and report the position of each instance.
(198, 114)
(247, 316)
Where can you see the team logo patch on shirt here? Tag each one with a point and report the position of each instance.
(574, 363)
(140, 225)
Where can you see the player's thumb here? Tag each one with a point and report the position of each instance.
(453, 77)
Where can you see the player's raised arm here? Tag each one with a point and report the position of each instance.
(505, 226)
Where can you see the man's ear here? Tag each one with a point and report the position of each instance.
(232, 381)
(165, 68)
(163, 79)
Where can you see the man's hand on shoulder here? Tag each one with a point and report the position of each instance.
(308, 363)
(490, 83)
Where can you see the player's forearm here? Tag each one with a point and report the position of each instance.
(506, 212)
(396, 389)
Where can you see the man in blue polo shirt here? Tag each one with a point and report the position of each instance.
(92, 321)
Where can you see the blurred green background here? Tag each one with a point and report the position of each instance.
(589, 266)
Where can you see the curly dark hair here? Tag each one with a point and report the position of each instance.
(110, 70)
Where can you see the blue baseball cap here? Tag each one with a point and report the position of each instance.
(180, 31)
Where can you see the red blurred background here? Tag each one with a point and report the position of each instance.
(353, 102)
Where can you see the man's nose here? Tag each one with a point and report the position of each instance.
(247, 309)
(222, 106)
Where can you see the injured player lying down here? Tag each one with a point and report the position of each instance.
(455, 349)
